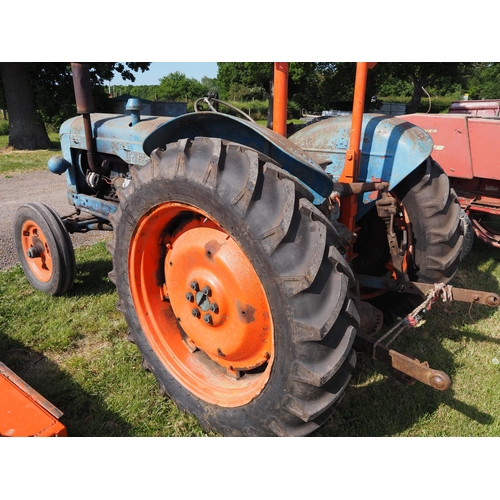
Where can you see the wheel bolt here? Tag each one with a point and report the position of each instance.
(195, 313)
(189, 296)
(207, 318)
(206, 291)
(214, 308)
(194, 285)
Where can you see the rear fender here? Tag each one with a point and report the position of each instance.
(226, 127)
(390, 149)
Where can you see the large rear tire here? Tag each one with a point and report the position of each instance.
(234, 290)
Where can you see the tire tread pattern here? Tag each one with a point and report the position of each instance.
(298, 247)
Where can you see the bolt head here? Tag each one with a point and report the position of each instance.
(207, 318)
(195, 312)
(189, 296)
(194, 285)
(214, 308)
(206, 291)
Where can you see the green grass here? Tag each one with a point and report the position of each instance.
(12, 161)
(73, 350)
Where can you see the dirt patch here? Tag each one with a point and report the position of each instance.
(41, 186)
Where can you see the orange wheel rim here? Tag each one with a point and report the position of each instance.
(37, 251)
(201, 305)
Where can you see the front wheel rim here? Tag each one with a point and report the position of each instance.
(36, 251)
(201, 305)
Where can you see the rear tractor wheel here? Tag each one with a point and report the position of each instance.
(234, 290)
(44, 248)
(432, 234)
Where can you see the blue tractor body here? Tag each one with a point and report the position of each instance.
(391, 150)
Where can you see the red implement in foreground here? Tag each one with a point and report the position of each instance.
(24, 412)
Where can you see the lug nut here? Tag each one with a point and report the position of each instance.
(206, 291)
(195, 313)
(214, 308)
(194, 285)
(190, 296)
(207, 318)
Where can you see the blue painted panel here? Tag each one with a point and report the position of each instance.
(390, 149)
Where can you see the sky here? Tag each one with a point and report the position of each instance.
(158, 70)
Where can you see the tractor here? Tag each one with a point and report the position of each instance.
(250, 266)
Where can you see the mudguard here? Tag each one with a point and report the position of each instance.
(230, 128)
(390, 149)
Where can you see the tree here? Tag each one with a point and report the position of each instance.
(255, 77)
(485, 81)
(38, 92)
(421, 75)
(26, 130)
(178, 87)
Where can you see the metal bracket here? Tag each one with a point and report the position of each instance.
(412, 368)
(387, 210)
(459, 294)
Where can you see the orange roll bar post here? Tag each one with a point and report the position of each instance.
(352, 159)
(280, 105)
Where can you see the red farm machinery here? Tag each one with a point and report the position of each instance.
(467, 147)
(251, 267)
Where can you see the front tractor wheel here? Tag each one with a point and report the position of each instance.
(44, 248)
(233, 289)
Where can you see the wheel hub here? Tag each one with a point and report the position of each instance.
(36, 248)
(222, 316)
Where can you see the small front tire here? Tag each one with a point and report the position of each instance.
(44, 248)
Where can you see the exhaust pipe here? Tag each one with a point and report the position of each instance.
(85, 106)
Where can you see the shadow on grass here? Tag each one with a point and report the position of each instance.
(92, 278)
(84, 414)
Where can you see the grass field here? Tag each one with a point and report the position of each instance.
(12, 161)
(73, 350)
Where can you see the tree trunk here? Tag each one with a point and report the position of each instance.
(26, 129)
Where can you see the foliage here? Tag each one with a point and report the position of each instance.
(485, 81)
(148, 92)
(177, 87)
(437, 104)
(173, 87)
(445, 77)
(255, 77)
(4, 127)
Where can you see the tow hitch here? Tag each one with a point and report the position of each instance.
(404, 368)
